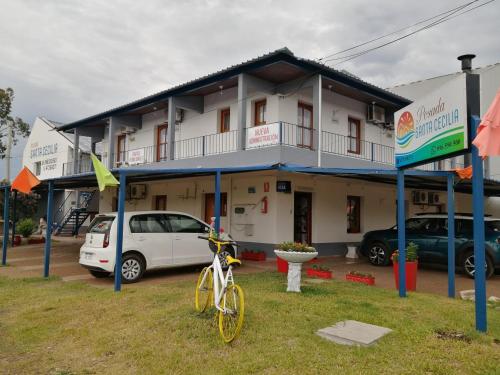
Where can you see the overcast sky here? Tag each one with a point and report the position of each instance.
(70, 59)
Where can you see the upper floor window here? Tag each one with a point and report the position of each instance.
(120, 148)
(161, 142)
(260, 112)
(225, 115)
(305, 122)
(354, 136)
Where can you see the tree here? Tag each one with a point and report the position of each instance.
(17, 126)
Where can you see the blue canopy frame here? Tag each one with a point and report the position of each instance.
(478, 197)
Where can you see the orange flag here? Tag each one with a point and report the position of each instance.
(25, 181)
(464, 173)
(488, 134)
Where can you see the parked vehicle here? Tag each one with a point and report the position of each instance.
(430, 233)
(151, 239)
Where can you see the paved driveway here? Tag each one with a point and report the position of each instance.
(27, 261)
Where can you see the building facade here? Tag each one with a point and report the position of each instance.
(275, 109)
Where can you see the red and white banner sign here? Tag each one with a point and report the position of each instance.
(263, 135)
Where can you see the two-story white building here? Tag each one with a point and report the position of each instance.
(274, 109)
(51, 154)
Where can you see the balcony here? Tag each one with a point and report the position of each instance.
(257, 137)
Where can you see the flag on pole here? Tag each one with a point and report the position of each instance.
(25, 181)
(104, 177)
(464, 173)
(488, 133)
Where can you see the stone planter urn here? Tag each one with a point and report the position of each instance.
(295, 260)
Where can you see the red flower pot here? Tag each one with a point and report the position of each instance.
(17, 240)
(360, 279)
(411, 275)
(311, 272)
(282, 265)
(33, 241)
(247, 255)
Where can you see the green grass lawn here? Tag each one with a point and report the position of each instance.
(53, 327)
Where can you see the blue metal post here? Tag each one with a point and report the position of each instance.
(479, 249)
(119, 232)
(5, 224)
(401, 233)
(48, 232)
(451, 237)
(217, 202)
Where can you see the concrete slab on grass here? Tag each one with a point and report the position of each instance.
(352, 332)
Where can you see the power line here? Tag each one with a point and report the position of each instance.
(449, 15)
(394, 32)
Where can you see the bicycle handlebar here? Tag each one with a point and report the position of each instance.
(215, 240)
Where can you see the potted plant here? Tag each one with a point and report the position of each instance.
(256, 255)
(360, 277)
(411, 266)
(26, 227)
(295, 253)
(322, 272)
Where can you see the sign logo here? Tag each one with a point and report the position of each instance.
(405, 130)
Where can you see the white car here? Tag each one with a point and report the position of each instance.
(151, 239)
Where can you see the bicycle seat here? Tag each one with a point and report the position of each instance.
(232, 261)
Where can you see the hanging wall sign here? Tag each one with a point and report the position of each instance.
(433, 127)
(136, 156)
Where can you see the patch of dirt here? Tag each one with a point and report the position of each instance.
(452, 335)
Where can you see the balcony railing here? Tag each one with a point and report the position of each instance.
(257, 137)
(346, 146)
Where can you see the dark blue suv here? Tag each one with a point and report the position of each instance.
(430, 233)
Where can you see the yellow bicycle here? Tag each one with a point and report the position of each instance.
(226, 296)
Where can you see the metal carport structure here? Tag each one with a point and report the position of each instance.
(435, 180)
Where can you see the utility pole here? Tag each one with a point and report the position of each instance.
(8, 150)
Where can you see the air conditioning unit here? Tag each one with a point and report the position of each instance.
(376, 114)
(420, 197)
(179, 115)
(128, 130)
(136, 191)
(433, 199)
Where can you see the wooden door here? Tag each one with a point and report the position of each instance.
(160, 202)
(210, 206)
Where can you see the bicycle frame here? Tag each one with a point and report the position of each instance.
(220, 282)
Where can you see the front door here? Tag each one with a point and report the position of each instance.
(160, 202)
(302, 220)
(210, 206)
(188, 248)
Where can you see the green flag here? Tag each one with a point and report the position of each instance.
(104, 177)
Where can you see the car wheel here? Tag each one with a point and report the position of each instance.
(100, 274)
(222, 257)
(378, 254)
(132, 268)
(469, 268)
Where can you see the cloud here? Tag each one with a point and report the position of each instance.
(70, 59)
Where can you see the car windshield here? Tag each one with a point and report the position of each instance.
(101, 224)
(493, 225)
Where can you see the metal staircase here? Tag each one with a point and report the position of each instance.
(74, 218)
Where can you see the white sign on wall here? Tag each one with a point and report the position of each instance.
(136, 156)
(434, 126)
(263, 135)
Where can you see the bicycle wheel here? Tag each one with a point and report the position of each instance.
(203, 290)
(231, 320)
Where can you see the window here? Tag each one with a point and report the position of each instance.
(305, 122)
(148, 223)
(225, 120)
(354, 136)
(101, 224)
(161, 142)
(38, 168)
(260, 112)
(160, 202)
(185, 224)
(353, 214)
(120, 145)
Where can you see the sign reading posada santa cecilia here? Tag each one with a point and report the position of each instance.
(433, 126)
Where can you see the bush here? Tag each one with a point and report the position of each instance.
(26, 227)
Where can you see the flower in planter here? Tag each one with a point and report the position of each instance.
(361, 274)
(296, 247)
(411, 253)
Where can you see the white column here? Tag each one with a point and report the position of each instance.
(171, 128)
(242, 110)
